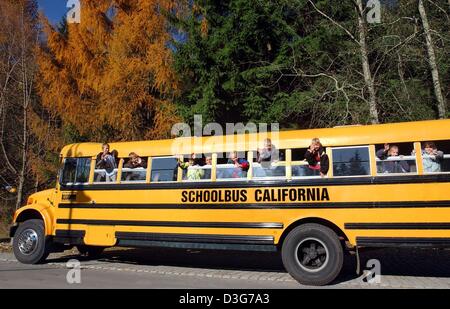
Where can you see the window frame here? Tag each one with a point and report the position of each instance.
(332, 161)
(198, 180)
(121, 167)
(61, 172)
(150, 165)
(418, 163)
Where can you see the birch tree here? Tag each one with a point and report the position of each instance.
(441, 102)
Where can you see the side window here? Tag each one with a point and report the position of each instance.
(273, 167)
(106, 169)
(436, 156)
(75, 170)
(351, 161)
(233, 165)
(395, 158)
(69, 171)
(83, 170)
(164, 169)
(300, 167)
(134, 170)
(198, 168)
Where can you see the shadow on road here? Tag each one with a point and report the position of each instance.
(394, 262)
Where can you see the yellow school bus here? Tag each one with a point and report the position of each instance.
(364, 200)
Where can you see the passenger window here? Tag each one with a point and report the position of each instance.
(300, 166)
(164, 169)
(133, 171)
(198, 168)
(395, 158)
(266, 169)
(436, 156)
(232, 166)
(351, 161)
(106, 170)
(75, 171)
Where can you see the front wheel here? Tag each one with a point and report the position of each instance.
(312, 254)
(30, 245)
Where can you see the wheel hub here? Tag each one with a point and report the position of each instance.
(312, 254)
(28, 241)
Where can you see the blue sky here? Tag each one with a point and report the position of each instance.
(53, 9)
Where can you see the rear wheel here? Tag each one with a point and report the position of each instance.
(90, 251)
(30, 245)
(312, 254)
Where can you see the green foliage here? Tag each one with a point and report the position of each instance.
(282, 61)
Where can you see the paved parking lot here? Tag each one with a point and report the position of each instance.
(172, 268)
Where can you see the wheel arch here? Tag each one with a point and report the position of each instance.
(316, 220)
(35, 212)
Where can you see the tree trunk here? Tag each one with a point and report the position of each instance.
(442, 110)
(21, 180)
(401, 74)
(26, 98)
(368, 79)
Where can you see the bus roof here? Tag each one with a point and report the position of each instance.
(339, 136)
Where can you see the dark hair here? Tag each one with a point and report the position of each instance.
(430, 144)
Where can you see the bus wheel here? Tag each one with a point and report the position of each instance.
(30, 245)
(90, 251)
(312, 254)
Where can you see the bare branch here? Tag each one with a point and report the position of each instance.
(335, 23)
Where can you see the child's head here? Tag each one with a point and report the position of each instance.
(233, 155)
(429, 147)
(105, 147)
(393, 151)
(315, 142)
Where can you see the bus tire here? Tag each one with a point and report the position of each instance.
(30, 245)
(312, 254)
(90, 251)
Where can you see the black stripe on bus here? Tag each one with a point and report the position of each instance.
(247, 225)
(419, 242)
(70, 233)
(74, 237)
(193, 245)
(308, 182)
(398, 226)
(198, 238)
(327, 205)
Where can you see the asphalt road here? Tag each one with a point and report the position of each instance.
(172, 268)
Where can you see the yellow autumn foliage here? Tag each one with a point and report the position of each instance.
(113, 70)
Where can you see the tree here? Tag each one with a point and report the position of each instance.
(18, 38)
(442, 106)
(285, 64)
(110, 76)
(307, 63)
